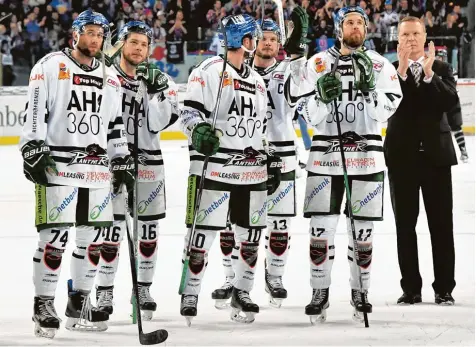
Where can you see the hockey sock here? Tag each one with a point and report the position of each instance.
(245, 257)
(110, 254)
(364, 234)
(277, 244)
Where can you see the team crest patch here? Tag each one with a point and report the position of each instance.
(147, 249)
(109, 252)
(318, 251)
(278, 243)
(197, 261)
(249, 253)
(94, 252)
(227, 242)
(52, 257)
(365, 254)
(320, 65)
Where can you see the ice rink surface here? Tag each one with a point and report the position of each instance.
(423, 324)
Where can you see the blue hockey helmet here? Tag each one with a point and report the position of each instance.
(344, 12)
(89, 17)
(236, 27)
(270, 25)
(135, 27)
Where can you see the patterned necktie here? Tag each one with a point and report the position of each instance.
(416, 72)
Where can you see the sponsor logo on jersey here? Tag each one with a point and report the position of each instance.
(390, 109)
(280, 196)
(143, 204)
(315, 191)
(378, 66)
(112, 83)
(197, 79)
(394, 77)
(254, 176)
(98, 177)
(244, 86)
(320, 65)
(278, 76)
(93, 155)
(173, 92)
(37, 77)
(358, 163)
(78, 175)
(98, 209)
(146, 175)
(56, 211)
(249, 157)
(260, 88)
(127, 85)
(351, 142)
(63, 72)
(358, 204)
(256, 215)
(227, 80)
(87, 80)
(204, 213)
(226, 175)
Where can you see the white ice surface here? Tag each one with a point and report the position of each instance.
(424, 324)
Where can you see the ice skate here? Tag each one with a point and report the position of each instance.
(359, 306)
(188, 307)
(146, 302)
(223, 294)
(275, 289)
(241, 303)
(316, 310)
(46, 320)
(82, 316)
(104, 297)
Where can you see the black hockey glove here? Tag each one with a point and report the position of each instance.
(122, 174)
(204, 140)
(363, 72)
(297, 42)
(36, 161)
(274, 164)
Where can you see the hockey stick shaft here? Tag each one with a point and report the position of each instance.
(183, 278)
(348, 196)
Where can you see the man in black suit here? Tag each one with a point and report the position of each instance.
(419, 153)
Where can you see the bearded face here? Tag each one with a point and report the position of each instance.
(353, 31)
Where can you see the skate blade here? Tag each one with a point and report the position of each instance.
(188, 320)
(318, 318)
(358, 316)
(222, 304)
(78, 324)
(48, 333)
(236, 316)
(147, 315)
(275, 302)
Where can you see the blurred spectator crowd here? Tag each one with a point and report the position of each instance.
(37, 27)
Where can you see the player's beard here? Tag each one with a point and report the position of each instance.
(264, 55)
(354, 41)
(130, 61)
(85, 51)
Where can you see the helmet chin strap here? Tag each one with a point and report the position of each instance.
(251, 51)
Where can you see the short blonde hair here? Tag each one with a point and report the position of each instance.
(411, 19)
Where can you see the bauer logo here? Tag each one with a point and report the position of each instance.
(56, 211)
(278, 197)
(204, 213)
(256, 216)
(144, 204)
(314, 192)
(357, 205)
(98, 209)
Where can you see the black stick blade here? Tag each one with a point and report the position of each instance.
(154, 337)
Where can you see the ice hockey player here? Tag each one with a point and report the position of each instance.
(281, 204)
(366, 90)
(72, 137)
(158, 110)
(455, 118)
(240, 172)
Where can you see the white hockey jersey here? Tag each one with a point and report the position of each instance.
(156, 113)
(361, 118)
(241, 121)
(280, 112)
(77, 116)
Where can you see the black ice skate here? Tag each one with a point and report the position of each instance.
(146, 302)
(316, 310)
(359, 306)
(82, 316)
(188, 307)
(46, 320)
(104, 297)
(241, 303)
(223, 294)
(445, 299)
(275, 289)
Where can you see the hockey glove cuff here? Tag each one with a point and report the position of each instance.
(364, 79)
(122, 174)
(204, 139)
(329, 87)
(297, 42)
(36, 161)
(154, 78)
(274, 165)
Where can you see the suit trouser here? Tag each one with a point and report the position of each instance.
(436, 187)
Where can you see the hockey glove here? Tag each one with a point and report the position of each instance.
(122, 174)
(297, 42)
(36, 161)
(364, 79)
(329, 87)
(204, 139)
(154, 78)
(274, 165)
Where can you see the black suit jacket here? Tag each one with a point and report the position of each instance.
(421, 118)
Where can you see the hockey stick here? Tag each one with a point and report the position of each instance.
(186, 261)
(348, 196)
(157, 336)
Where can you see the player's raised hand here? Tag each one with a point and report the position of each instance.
(404, 50)
(429, 60)
(154, 78)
